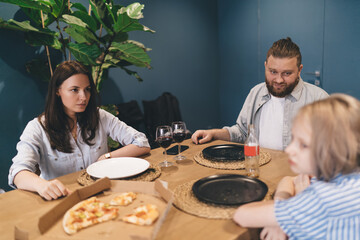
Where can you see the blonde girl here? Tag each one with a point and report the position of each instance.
(326, 145)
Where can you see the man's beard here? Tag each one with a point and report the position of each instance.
(288, 89)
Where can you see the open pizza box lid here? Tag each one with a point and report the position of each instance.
(49, 225)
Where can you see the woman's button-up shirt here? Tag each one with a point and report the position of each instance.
(35, 149)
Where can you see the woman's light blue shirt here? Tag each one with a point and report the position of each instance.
(35, 148)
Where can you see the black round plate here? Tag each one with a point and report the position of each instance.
(229, 189)
(224, 152)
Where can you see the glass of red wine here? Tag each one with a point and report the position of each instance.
(164, 138)
(179, 134)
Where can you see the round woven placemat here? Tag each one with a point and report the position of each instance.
(185, 200)
(265, 157)
(149, 175)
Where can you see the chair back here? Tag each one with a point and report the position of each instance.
(131, 114)
(162, 111)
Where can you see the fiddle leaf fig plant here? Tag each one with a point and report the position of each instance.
(96, 35)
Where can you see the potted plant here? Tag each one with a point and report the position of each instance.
(97, 36)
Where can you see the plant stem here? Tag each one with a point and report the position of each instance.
(61, 38)
(100, 31)
(98, 68)
(69, 36)
(46, 47)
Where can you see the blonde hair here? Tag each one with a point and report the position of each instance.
(335, 140)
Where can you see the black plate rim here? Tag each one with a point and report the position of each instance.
(196, 185)
(223, 158)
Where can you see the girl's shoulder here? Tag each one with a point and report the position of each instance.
(340, 183)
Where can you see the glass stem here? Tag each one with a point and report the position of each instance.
(179, 148)
(165, 155)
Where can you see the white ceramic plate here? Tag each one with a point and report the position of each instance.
(118, 167)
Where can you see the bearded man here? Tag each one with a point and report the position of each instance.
(271, 105)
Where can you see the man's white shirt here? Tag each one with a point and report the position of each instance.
(271, 124)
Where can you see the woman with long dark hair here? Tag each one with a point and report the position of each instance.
(69, 135)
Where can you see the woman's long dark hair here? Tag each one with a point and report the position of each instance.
(56, 122)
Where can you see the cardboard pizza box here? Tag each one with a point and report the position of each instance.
(49, 224)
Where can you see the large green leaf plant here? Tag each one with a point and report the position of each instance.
(97, 36)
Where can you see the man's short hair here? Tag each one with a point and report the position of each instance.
(285, 48)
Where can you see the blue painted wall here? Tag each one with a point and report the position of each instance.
(21, 98)
(327, 32)
(341, 47)
(238, 38)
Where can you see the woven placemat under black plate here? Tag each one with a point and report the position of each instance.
(265, 157)
(185, 200)
(149, 175)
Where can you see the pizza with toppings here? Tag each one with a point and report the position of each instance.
(87, 213)
(143, 215)
(123, 199)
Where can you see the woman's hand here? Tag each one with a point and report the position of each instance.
(272, 233)
(52, 189)
(49, 190)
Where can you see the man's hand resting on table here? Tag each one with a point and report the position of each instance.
(204, 136)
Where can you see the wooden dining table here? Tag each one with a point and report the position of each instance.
(16, 206)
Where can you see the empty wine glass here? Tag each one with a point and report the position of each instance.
(164, 137)
(179, 134)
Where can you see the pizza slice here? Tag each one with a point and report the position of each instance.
(143, 215)
(87, 213)
(123, 199)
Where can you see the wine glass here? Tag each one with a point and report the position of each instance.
(164, 137)
(179, 134)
